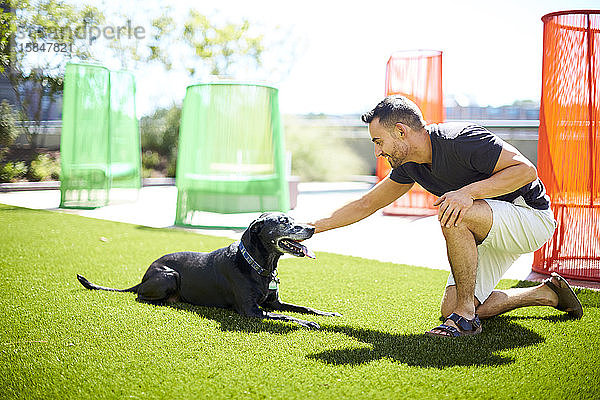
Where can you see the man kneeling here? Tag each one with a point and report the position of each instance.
(492, 208)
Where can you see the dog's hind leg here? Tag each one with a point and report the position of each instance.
(160, 285)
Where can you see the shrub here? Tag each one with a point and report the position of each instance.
(43, 168)
(8, 130)
(11, 172)
(160, 136)
(160, 131)
(150, 159)
(319, 155)
(172, 167)
(146, 173)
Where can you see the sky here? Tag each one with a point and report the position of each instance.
(492, 50)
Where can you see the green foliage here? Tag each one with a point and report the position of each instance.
(8, 130)
(160, 131)
(39, 22)
(159, 138)
(12, 171)
(7, 29)
(61, 341)
(206, 44)
(43, 168)
(153, 164)
(171, 167)
(150, 159)
(317, 155)
(222, 45)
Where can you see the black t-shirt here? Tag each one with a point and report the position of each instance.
(463, 153)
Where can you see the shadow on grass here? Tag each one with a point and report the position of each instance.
(4, 207)
(231, 321)
(416, 350)
(432, 352)
(549, 318)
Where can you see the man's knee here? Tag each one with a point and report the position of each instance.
(477, 220)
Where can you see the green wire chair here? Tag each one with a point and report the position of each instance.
(231, 152)
(100, 140)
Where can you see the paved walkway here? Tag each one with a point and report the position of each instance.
(402, 240)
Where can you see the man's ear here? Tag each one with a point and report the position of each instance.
(399, 130)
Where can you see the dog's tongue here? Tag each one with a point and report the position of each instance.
(300, 249)
(308, 253)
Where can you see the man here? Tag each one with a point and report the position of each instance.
(492, 209)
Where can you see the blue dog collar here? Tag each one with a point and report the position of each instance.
(251, 261)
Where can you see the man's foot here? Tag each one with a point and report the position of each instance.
(457, 325)
(567, 299)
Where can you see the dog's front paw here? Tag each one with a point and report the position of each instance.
(309, 324)
(330, 314)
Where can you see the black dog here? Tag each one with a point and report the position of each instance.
(242, 276)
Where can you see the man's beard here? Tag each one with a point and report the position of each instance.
(397, 157)
(394, 162)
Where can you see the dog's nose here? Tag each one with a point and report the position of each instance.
(308, 228)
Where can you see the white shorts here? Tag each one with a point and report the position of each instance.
(516, 229)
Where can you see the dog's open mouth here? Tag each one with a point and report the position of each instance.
(295, 248)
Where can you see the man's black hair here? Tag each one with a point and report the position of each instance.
(396, 108)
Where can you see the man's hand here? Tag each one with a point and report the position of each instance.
(378, 197)
(453, 206)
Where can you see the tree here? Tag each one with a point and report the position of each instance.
(37, 39)
(223, 46)
(8, 129)
(205, 45)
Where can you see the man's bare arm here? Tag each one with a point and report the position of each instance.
(384, 193)
(512, 171)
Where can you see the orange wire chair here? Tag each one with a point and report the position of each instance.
(568, 146)
(418, 76)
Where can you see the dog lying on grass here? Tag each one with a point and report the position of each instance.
(242, 276)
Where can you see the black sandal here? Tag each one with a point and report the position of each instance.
(567, 299)
(466, 327)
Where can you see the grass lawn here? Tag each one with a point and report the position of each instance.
(59, 340)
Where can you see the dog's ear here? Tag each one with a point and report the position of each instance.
(256, 225)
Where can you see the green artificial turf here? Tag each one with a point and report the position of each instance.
(59, 340)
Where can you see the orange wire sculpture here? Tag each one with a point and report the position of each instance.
(418, 76)
(568, 146)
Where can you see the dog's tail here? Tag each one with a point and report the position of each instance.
(89, 285)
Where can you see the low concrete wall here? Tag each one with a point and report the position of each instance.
(46, 135)
(522, 134)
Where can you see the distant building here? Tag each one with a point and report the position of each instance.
(6, 90)
(513, 112)
(49, 109)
